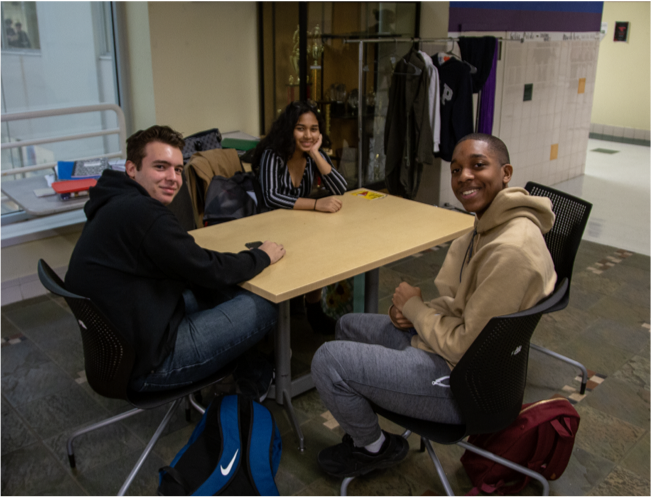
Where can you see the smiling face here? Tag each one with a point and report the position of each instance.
(306, 132)
(477, 175)
(160, 172)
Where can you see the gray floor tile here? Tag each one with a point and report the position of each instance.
(638, 261)
(391, 481)
(303, 465)
(583, 472)
(43, 321)
(31, 470)
(15, 434)
(594, 355)
(145, 424)
(637, 460)
(68, 353)
(107, 479)
(622, 482)
(93, 449)
(28, 384)
(8, 328)
(65, 409)
(634, 294)
(628, 275)
(621, 400)
(168, 446)
(605, 435)
(625, 336)
(595, 283)
(619, 310)
(20, 356)
(69, 486)
(288, 484)
(635, 372)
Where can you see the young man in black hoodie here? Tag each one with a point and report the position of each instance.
(175, 302)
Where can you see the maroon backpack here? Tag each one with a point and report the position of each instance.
(541, 439)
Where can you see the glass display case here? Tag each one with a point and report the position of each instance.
(312, 50)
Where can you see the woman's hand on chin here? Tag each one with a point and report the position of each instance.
(314, 151)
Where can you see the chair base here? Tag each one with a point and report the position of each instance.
(441, 472)
(584, 371)
(114, 419)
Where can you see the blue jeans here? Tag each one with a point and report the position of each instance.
(208, 339)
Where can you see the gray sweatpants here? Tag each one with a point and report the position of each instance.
(372, 360)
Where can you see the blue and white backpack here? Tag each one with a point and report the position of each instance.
(234, 450)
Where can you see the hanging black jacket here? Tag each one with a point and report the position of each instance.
(408, 137)
(455, 86)
(134, 260)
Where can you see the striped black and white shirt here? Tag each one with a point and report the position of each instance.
(277, 187)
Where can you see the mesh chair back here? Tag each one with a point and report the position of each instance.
(565, 236)
(489, 380)
(108, 357)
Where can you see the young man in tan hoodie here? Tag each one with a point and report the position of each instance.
(402, 362)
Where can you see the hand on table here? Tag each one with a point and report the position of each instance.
(399, 319)
(403, 293)
(274, 250)
(328, 204)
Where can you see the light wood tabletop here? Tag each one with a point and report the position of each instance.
(323, 248)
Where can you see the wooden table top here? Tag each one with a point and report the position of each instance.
(324, 248)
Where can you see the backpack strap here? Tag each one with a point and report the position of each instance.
(263, 431)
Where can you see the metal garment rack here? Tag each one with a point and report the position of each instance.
(360, 77)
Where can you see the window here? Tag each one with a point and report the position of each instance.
(20, 26)
(70, 62)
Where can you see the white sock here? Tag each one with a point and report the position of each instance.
(375, 447)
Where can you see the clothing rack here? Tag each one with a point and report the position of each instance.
(360, 76)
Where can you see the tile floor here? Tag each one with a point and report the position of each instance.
(606, 327)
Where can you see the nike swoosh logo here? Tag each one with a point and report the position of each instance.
(230, 465)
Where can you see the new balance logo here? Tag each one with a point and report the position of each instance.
(517, 350)
(227, 470)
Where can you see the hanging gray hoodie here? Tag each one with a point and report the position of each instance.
(501, 267)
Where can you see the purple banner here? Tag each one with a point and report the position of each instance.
(473, 19)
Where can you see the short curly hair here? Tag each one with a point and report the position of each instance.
(497, 146)
(138, 141)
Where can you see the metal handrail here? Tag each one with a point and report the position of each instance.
(17, 116)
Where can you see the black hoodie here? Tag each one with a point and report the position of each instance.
(134, 260)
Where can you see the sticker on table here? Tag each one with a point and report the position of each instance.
(368, 194)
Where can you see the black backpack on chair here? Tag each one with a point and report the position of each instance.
(232, 198)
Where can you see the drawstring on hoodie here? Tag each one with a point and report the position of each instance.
(468, 253)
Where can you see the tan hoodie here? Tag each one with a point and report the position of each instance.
(507, 269)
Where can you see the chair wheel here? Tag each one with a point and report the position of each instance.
(198, 397)
(71, 460)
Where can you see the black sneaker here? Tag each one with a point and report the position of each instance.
(346, 460)
(320, 322)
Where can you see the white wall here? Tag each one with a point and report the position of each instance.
(205, 65)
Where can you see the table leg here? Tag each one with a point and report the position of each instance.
(371, 291)
(283, 387)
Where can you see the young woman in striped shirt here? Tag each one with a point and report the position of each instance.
(287, 161)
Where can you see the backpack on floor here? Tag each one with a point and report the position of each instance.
(234, 450)
(541, 439)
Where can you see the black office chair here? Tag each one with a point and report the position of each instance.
(488, 384)
(109, 360)
(563, 242)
